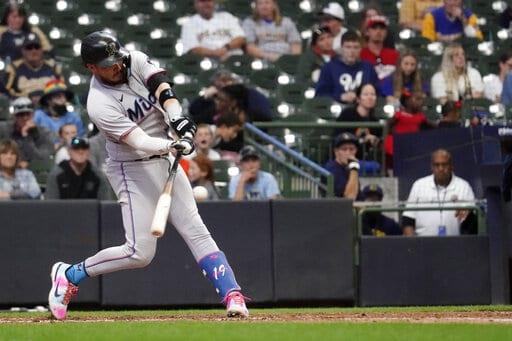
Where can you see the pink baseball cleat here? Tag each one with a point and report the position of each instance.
(235, 305)
(62, 291)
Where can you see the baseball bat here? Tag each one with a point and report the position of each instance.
(164, 202)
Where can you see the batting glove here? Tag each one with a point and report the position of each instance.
(183, 126)
(184, 144)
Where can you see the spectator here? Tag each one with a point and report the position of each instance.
(35, 143)
(493, 84)
(363, 111)
(406, 77)
(314, 58)
(270, 35)
(456, 80)
(15, 182)
(76, 178)
(450, 22)
(54, 113)
(340, 77)
(345, 166)
(371, 10)
(228, 134)
(66, 134)
(376, 223)
(410, 119)
(203, 108)
(252, 183)
(506, 94)
(442, 188)
(212, 34)
(333, 17)
(451, 113)
(384, 59)
(14, 29)
(412, 12)
(27, 76)
(200, 173)
(203, 141)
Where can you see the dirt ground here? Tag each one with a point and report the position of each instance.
(501, 317)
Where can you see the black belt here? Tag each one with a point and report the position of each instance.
(147, 158)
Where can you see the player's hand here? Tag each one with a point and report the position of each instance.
(184, 144)
(353, 164)
(183, 125)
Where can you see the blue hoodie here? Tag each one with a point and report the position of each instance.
(336, 78)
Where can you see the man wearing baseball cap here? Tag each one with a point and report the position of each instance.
(333, 16)
(252, 183)
(384, 59)
(376, 223)
(345, 166)
(76, 178)
(35, 143)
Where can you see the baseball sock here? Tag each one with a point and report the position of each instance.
(216, 268)
(75, 273)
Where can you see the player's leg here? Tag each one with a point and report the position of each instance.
(213, 263)
(137, 185)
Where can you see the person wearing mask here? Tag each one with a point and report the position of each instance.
(54, 113)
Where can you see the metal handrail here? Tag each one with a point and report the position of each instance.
(327, 186)
(477, 205)
(322, 124)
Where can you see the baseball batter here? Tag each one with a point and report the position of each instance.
(126, 97)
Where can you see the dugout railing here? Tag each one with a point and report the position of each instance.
(297, 176)
(314, 140)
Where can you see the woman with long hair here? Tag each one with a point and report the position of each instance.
(456, 79)
(14, 28)
(15, 182)
(406, 77)
(200, 173)
(270, 35)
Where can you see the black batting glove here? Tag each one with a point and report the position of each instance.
(183, 125)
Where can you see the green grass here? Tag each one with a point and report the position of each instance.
(252, 330)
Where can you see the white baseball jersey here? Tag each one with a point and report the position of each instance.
(213, 34)
(119, 109)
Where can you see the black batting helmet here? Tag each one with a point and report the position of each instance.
(101, 48)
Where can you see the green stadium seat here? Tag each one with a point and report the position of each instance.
(291, 93)
(318, 107)
(265, 78)
(239, 64)
(288, 63)
(41, 168)
(162, 48)
(239, 8)
(4, 108)
(188, 64)
(188, 90)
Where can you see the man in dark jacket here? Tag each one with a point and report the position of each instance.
(76, 178)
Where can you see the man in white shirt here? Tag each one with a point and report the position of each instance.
(212, 34)
(333, 16)
(441, 188)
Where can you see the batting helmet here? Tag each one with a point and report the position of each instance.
(101, 48)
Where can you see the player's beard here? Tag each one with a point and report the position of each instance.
(121, 77)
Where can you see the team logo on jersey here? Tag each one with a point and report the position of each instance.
(111, 49)
(350, 83)
(141, 106)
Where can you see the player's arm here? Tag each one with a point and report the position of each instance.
(139, 140)
(183, 125)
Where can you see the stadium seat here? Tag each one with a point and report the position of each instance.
(188, 90)
(291, 93)
(265, 78)
(41, 168)
(162, 48)
(318, 107)
(239, 64)
(4, 108)
(188, 64)
(288, 63)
